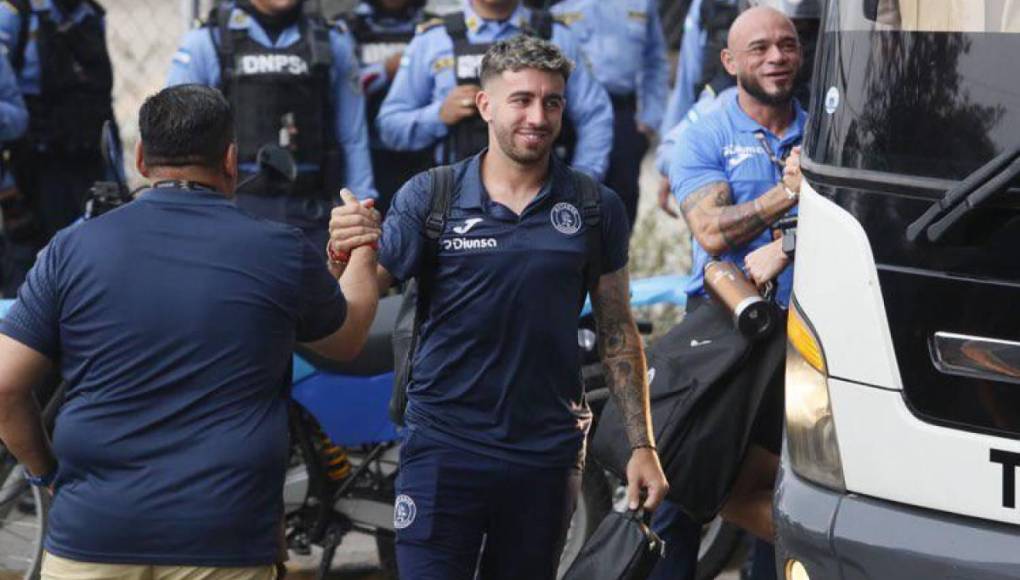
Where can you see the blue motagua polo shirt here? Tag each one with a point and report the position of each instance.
(723, 145)
(174, 319)
(497, 371)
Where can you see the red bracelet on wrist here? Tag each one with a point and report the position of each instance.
(342, 257)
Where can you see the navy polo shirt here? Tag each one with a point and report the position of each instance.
(497, 370)
(174, 319)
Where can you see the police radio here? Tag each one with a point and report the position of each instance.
(107, 195)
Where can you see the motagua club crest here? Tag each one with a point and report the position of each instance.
(565, 218)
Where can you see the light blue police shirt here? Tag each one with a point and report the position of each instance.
(13, 114)
(722, 146)
(409, 118)
(688, 69)
(196, 61)
(624, 42)
(707, 102)
(10, 27)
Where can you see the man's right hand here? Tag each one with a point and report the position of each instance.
(459, 104)
(792, 177)
(664, 196)
(353, 224)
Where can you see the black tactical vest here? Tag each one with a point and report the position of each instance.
(375, 47)
(76, 83)
(281, 95)
(472, 134)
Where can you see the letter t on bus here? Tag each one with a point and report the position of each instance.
(1009, 462)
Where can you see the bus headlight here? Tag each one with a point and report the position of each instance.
(810, 429)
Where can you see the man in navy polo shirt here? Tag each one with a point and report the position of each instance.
(496, 411)
(173, 320)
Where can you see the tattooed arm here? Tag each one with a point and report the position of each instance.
(624, 360)
(719, 225)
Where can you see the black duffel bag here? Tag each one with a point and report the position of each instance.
(707, 383)
(623, 547)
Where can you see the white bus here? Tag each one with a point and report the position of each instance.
(903, 370)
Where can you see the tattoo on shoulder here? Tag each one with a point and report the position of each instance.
(717, 193)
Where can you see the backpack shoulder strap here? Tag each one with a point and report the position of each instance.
(24, 9)
(590, 198)
(455, 26)
(441, 179)
(441, 193)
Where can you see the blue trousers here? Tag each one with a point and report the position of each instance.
(450, 503)
(682, 536)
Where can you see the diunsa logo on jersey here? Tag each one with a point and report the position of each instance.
(263, 64)
(565, 218)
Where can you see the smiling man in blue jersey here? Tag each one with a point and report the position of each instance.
(496, 412)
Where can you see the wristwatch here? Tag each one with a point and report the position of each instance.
(44, 480)
(790, 242)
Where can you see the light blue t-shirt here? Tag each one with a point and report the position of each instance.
(723, 146)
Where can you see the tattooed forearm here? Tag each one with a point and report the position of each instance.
(623, 355)
(719, 225)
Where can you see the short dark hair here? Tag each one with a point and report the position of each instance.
(521, 52)
(186, 125)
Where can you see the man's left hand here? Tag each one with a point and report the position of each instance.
(765, 263)
(645, 473)
(647, 131)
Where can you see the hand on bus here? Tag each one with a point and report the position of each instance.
(791, 171)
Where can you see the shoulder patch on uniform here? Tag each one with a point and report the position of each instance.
(442, 63)
(637, 15)
(182, 57)
(239, 18)
(428, 25)
(568, 18)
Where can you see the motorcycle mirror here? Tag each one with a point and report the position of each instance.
(277, 162)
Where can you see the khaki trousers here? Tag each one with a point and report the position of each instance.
(57, 568)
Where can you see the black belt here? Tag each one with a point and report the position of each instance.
(627, 102)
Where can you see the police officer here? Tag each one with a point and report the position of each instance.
(624, 41)
(17, 224)
(496, 416)
(58, 50)
(293, 81)
(432, 98)
(383, 29)
(731, 185)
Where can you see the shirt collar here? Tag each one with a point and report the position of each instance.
(473, 193)
(476, 23)
(185, 196)
(744, 123)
